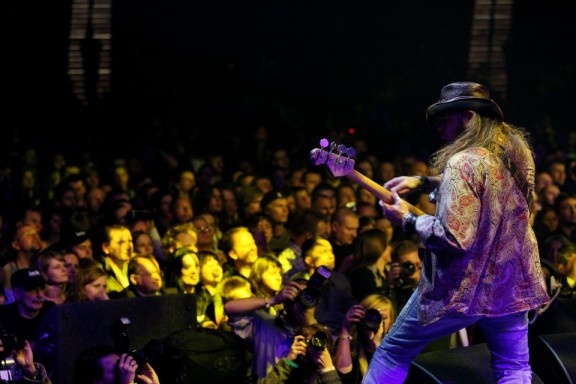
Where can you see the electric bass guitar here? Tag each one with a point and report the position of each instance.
(339, 161)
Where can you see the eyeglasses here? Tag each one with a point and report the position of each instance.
(203, 229)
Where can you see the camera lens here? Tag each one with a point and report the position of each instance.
(408, 268)
(318, 341)
(372, 319)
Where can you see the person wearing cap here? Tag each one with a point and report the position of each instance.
(275, 206)
(24, 316)
(481, 264)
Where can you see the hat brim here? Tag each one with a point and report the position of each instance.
(482, 106)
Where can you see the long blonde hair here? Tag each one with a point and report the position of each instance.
(496, 136)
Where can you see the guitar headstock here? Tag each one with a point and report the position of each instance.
(338, 158)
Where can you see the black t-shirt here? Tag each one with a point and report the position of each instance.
(23, 328)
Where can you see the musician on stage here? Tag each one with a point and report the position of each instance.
(481, 264)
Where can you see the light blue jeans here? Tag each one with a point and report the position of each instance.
(507, 339)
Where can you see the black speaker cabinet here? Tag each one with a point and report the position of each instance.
(553, 357)
(71, 328)
(465, 365)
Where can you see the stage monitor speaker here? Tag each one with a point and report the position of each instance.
(465, 365)
(553, 357)
(75, 327)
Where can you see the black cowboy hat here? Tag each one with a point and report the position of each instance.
(462, 96)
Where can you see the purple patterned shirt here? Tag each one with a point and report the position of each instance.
(482, 255)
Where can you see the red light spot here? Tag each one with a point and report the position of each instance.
(351, 131)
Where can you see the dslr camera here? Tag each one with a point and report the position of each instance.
(118, 331)
(407, 269)
(318, 341)
(372, 319)
(9, 370)
(310, 296)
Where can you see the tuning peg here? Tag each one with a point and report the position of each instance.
(323, 143)
(351, 152)
(342, 148)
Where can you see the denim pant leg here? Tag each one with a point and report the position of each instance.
(405, 340)
(507, 339)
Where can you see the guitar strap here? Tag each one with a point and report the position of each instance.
(520, 179)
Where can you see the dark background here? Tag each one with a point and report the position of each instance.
(209, 72)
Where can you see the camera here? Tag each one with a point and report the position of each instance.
(310, 296)
(9, 370)
(407, 269)
(10, 342)
(318, 341)
(372, 319)
(118, 331)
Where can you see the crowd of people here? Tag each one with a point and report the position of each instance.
(310, 270)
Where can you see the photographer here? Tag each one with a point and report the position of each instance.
(309, 359)
(269, 337)
(405, 259)
(362, 331)
(105, 365)
(18, 366)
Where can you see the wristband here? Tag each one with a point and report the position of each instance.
(346, 337)
(267, 303)
(291, 363)
(409, 222)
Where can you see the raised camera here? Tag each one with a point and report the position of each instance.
(10, 342)
(310, 296)
(318, 341)
(372, 319)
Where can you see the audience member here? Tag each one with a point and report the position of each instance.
(363, 328)
(104, 364)
(90, 282)
(24, 316)
(309, 359)
(368, 274)
(117, 250)
(269, 337)
(145, 279)
(266, 279)
(344, 224)
(240, 247)
(275, 206)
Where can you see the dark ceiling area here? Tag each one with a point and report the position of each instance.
(213, 71)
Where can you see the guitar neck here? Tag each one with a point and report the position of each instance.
(377, 190)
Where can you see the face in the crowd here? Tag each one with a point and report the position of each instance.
(244, 248)
(346, 195)
(143, 245)
(120, 247)
(84, 249)
(30, 301)
(322, 254)
(211, 271)
(558, 173)
(96, 290)
(182, 210)
(272, 278)
(187, 181)
(278, 211)
(567, 211)
(148, 278)
(186, 240)
(204, 232)
(190, 269)
(302, 199)
(215, 204)
(325, 205)
(346, 231)
(57, 273)
(265, 226)
(71, 263)
(311, 180)
(27, 239)
(229, 201)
